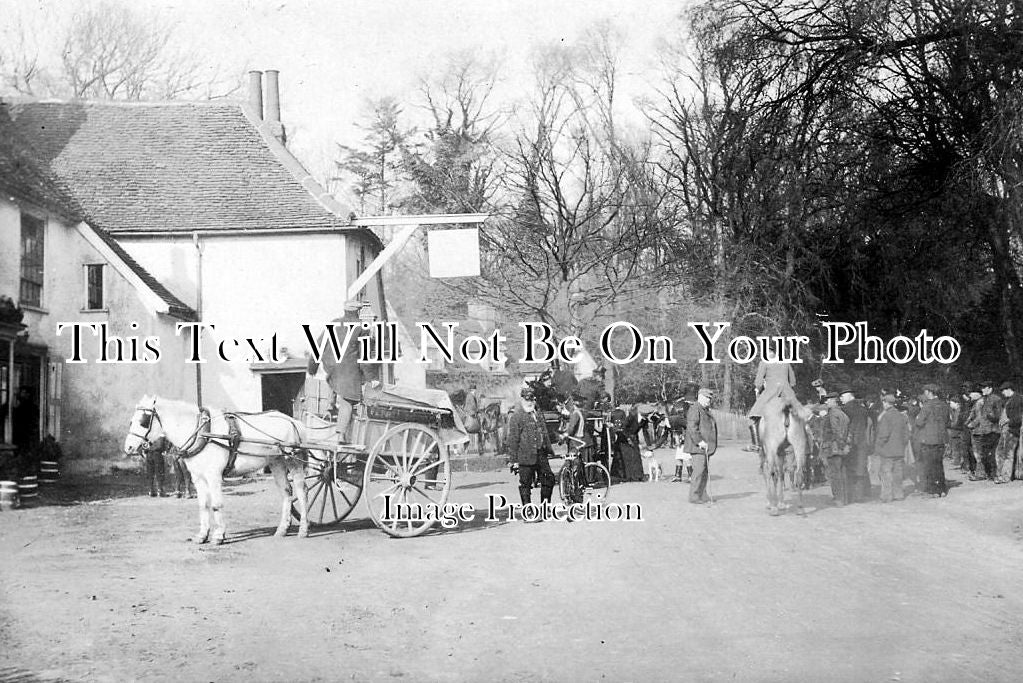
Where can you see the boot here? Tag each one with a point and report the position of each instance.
(754, 437)
(678, 474)
(689, 474)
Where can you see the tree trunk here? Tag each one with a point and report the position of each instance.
(1010, 295)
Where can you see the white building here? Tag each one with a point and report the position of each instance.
(155, 210)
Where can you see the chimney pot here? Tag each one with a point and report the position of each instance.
(273, 96)
(256, 92)
(273, 105)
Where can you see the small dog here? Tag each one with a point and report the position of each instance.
(653, 468)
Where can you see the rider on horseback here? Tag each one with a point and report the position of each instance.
(774, 378)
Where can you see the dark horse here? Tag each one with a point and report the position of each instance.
(780, 431)
(490, 426)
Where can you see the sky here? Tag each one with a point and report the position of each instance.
(334, 54)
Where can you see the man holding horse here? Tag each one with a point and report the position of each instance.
(701, 442)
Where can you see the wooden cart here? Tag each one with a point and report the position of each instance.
(398, 459)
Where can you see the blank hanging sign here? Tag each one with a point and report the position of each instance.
(454, 253)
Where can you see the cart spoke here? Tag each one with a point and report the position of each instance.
(318, 491)
(430, 464)
(426, 495)
(415, 446)
(323, 506)
(333, 501)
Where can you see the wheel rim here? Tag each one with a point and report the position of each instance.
(408, 475)
(333, 486)
(598, 484)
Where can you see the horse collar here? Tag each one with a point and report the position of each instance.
(198, 440)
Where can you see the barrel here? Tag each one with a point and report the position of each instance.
(48, 472)
(28, 489)
(8, 495)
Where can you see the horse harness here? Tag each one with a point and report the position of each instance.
(201, 437)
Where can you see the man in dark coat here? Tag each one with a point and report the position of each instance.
(859, 452)
(932, 423)
(957, 435)
(830, 428)
(1009, 424)
(345, 375)
(701, 442)
(529, 448)
(983, 424)
(890, 447)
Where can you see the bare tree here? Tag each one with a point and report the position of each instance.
(110, 51)
(573, 242)
(453, 168)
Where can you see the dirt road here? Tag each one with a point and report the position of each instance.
(923, 590)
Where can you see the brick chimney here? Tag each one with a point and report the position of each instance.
(256, 93)
(272, 116)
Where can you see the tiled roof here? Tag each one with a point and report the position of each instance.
(160, 167)
(21, 175)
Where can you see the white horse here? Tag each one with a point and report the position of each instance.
(269, 438)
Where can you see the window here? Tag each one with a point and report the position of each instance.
(32, 231)
(94, 287)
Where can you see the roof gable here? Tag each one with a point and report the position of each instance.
(161, 167)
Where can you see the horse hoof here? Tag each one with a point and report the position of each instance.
(219, 540)
(303, 533)
(199, 540)
(280, 534)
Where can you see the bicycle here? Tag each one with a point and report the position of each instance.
(593, 486)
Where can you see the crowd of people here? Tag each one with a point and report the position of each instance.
(891, 434)
(977, 429)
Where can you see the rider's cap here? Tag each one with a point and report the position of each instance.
(1008, 384)
(831, 394)
(987, 384)
(846, 390)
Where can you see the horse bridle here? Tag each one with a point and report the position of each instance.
(146, 421)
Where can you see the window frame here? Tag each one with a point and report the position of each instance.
(32, 273)
(87, 307)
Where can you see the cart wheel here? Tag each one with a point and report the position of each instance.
(333, 484)
(407, 479)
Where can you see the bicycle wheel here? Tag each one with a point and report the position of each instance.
(597, 487)
(568, 486)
